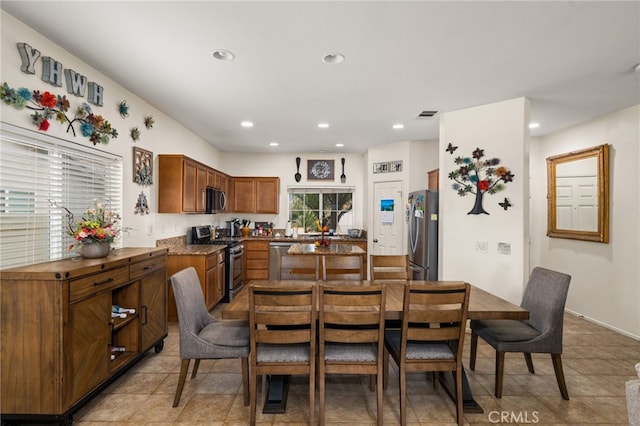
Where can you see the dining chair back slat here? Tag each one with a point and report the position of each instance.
(351, 328)
(298, 267)
(342, 268)
(389, 267)
(282, 331)
(432, 335)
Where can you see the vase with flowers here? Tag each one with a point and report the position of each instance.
(95, 231)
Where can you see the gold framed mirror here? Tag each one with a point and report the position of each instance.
(578, 195)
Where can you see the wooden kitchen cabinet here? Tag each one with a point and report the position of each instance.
(182, 184)
(256, 194)
(58, 331)
(256, 254)
(210, 273)
(433, 179)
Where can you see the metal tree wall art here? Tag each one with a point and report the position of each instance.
(478, 176)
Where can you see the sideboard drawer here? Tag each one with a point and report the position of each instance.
(89, 285)
(140, 269)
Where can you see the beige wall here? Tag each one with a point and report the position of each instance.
(501, 130)
(605, 285)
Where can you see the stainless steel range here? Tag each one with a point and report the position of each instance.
(234, 258)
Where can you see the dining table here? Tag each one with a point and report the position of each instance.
(482, 305)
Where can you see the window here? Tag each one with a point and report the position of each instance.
(39, 175)
(310, 206)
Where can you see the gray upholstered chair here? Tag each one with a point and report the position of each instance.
(544, 298)
(633, 399)
(204, 337)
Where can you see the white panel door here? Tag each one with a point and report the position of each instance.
(388, 218)
(577, 203)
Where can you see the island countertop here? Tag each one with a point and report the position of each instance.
(332, 249)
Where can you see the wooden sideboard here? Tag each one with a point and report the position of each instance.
(58, 334)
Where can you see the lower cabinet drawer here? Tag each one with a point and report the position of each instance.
(145, 267)
(86, 286)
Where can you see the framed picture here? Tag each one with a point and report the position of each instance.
(320, 169)
(142, 166)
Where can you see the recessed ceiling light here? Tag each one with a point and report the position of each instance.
(339, 145)
(323, 125)
(333, 58)
(398, 126)
(246, 124)
(224, 55)
(273, 144)
(534, 125)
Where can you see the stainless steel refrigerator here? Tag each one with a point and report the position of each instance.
(422, 221)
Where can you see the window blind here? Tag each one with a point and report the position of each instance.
(40, 175)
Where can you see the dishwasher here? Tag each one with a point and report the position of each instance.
(277, 249)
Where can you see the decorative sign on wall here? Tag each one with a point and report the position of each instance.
(320, 170)
(52, 71)
(48, 106)
(387, 167)
(478, 176)
(142, 166)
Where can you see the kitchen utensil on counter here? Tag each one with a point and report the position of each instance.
(298, 176)
(343, 177)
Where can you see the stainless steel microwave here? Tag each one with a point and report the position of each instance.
(216, 200)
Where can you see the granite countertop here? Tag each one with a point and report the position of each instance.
(339, 249)
(178, 245)
(194, 249)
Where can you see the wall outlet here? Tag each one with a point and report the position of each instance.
(482, 246)
(149, 229)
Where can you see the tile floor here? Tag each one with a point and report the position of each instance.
(597, 363)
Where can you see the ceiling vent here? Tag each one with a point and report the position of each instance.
(427, 114)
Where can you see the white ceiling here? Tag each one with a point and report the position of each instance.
(573, 60)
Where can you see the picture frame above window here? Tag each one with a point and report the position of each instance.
(320, 169)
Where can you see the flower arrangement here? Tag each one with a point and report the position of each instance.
(475, 175)
(47, 106)
(98, 224)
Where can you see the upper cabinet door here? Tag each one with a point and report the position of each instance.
(189, 180)
(244, 198)
(267, 195)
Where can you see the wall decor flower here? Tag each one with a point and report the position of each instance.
(149, 121)
(478, 176)
(48, 106)
(135, 134)
(124, 109)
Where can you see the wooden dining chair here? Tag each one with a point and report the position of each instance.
(299, 267)
(432, 336)
(544, 298)
(389, 267)
(342, 268)
(282, 331)
(351, 328)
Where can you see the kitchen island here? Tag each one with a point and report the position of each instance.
(330, 250)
